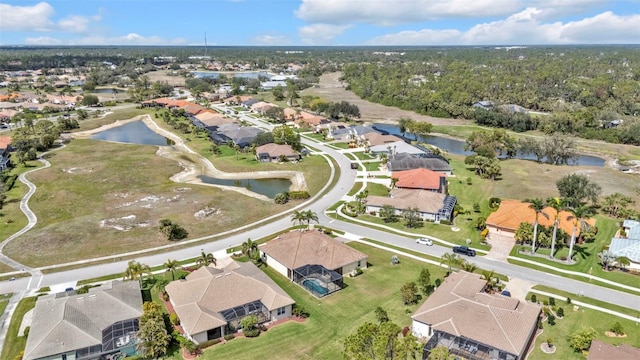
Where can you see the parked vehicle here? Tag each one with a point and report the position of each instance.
(424, 241)
(464, 250)
(505, 293)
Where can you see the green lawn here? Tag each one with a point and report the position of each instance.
(362, 155)
(4, 301)
(316, 137)
(334, 317)
(14, 344)
(620, 309)
(12, 219)
(340, 145)
(375, 189)
(355, 188)
(575, 319)
(372, 166)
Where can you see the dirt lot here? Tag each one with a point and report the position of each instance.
(330, 88)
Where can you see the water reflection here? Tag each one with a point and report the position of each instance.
(266, 187)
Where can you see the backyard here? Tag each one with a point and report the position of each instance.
(333, 317)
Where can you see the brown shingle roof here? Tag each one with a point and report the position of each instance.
(375, 138)
(275, 150)
(199, 299)
(604, 351)
(425, 201)
(459, 308)
(295, 249)
(513, 212)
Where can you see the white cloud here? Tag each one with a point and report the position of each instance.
(390, 12)
(37, 18)
(26, 18)
(270, 40)
(320, 34)
(129, 39)
(527, 27)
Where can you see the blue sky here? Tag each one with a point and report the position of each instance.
(319, 22)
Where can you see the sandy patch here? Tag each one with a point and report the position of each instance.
(77, 170)
(206, 212)
(124, 223)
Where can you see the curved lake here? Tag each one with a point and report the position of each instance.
(454, 146)
(266, 187)
(247, 74)
(135, 132)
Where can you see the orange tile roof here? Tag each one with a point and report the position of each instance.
(418, 179)
(513, 212)
(5, 141)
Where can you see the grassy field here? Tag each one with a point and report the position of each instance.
(334, 317)
(575, 319)
(126, 181)
(95, 123)
(375, 189)
(11, 217)
(14, 344)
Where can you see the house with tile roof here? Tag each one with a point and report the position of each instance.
(211, 301)
(506, 220)
(375, 138)
(431, 206)
(95, 325)
(421, 179)
(473, 324)
(275, 152)
(603, 351)
(628, 245)
(404, 161)
(313, 260)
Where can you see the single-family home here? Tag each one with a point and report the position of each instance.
(507, 218)
(211, 301)
(276, 152)
(602, 351)
(375, 138)
(261, 107)
(5, 157)
(353, 133)
(485, 105)
(430, 206)
(212, 120)
(398, 147)
(313, 260)
(7, 114)
(404, 161)
(473, 324)
(238, 135)
(307, 119)
(422, 179)
(627, 243)
(95, 325)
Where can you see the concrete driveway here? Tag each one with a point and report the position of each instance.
(500, 247)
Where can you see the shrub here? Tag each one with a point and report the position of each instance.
(476, 207)
(552, 301)
(545, 302)
(534, 298)
(173, 317)
(281, 198)
(539, 324)
(228, 337)
(550, 341)
(470, 182)
(297, 195)
(568, 301)
(616, 328)
(405, 331)
(28, 328)
(252, 332)
(445, 222)
(299, 311)
(206, 344)
(551, 320)
(19, 356)
(494, 203)
(560, 312)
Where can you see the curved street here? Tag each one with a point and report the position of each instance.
(277, 223)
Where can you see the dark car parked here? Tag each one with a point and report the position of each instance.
(464, 250)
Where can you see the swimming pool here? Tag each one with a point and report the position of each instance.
(314, 285)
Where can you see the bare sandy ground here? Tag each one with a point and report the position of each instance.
(201, 165)
(330, 88)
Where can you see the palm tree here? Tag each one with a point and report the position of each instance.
(171, 266)
(538, 206)
(558, 205)
(394, 181)
(206, 259)
(298, 217)
(579, 215)
(136, 270)
(309, 216)
(468, 266)
(623, 261)
(249, 248)
(449, 259)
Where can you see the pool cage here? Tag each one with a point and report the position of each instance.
(317, 279)
(234, 315)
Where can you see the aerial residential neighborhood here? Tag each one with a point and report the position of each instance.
(319, 180)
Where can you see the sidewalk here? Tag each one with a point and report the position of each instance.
(588, 306)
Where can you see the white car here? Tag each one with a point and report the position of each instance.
(424, 241)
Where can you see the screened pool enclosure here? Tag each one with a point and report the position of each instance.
(318, 280)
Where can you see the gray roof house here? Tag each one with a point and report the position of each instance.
(88, 326)
(396, 147)
(628, 246)
(239, 135)
(351, 133)
(473, 324)
(404, 161)
(212, 301)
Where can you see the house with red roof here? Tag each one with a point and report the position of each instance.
(422, 179)
(5, 145)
